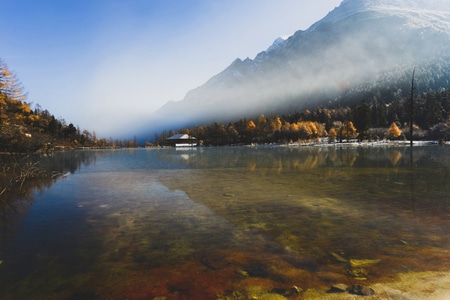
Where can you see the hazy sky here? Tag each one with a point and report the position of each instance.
(104, 64)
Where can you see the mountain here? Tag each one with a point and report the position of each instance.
(361, 49)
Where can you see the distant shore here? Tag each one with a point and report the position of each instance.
(357, 144)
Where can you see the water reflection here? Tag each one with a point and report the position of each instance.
(303, 158)
(304, 205)
(22, 176)
(213, 223)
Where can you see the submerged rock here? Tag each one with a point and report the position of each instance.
(357, 268)
(361, 290)
(295, 290)
(358, 273)
(252, 294)
(338, 288)
(363, 263)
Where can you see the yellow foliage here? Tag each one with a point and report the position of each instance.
(312, 129)
(5, 72)
(394, 131)
(293, 127)
(306, 127)
(349, 130)
(262, 120)
(33, 118)
(277, 124)
(332, 133)
(250, 125)
(24, 108)
(2, 99)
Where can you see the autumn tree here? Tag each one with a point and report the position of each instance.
(250, 131)
(275, 124)
(10, 86)
(348, 131)
(11, 96)
(332, 134)
(307, 130)
(26, 130)
(393, 131)
(15, 115)
(261, 126)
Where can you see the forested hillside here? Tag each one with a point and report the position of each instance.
(25, 129)
(375, 117)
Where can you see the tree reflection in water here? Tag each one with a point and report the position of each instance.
(21, 176)
(221, 221)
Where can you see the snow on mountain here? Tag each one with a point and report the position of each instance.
(359, 44)
(422, 13)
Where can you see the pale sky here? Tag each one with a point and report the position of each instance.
(106, 64)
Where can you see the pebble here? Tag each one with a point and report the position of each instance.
(361, 290)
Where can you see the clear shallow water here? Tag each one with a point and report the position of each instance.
(214, 222)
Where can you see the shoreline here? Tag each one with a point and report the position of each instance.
(432, 285)
(361, 144)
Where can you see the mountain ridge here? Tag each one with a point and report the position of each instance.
(350, 48)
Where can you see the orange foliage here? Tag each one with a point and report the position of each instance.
(394, 131)
(250, 125)
(349, 130)
(276, 124)
(332, 134)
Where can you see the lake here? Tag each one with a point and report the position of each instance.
(226, 223)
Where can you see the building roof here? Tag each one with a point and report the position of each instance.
(181, 136)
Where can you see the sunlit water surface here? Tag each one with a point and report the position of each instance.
(214, 222)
